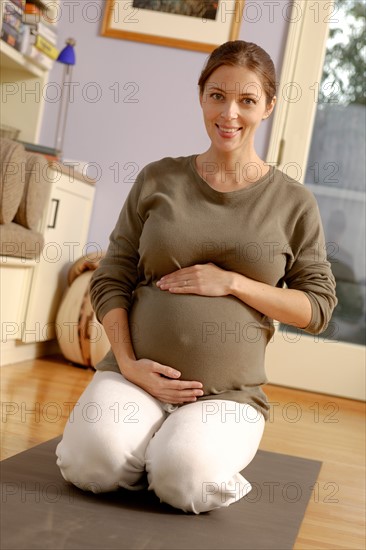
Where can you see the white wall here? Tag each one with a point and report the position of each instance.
(164, 121)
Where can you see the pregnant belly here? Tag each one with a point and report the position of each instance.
(218, 341)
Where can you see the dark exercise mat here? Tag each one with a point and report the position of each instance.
(40, 510)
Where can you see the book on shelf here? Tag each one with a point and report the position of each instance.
(38, 41)
(38, 57)
(11, 36)
(46, 47)
(19, 3)
(47, 31)
(11, 16)
(11, 23)
(14, 7)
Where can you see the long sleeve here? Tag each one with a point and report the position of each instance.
(114, 281)
(270, 232)
(309, 270)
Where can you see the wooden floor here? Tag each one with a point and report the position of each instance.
(37, 397)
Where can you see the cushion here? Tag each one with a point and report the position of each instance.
(16, 240)
(11, 180)
(35, 193)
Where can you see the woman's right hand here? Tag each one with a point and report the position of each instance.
(161, 381)
(158, 380)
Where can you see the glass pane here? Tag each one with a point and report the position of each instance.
(336, 166)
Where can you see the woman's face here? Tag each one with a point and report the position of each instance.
(233, 105)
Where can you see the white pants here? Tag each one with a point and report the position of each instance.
(192, 454)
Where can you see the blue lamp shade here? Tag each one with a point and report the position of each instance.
(67, 55)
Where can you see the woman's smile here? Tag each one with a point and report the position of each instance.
(228, 132)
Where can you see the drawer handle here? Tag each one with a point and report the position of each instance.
(55, 212)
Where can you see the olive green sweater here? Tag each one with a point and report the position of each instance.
(270, 231)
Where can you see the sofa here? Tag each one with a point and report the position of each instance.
(24, 195)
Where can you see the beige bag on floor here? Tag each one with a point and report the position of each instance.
(81, 337)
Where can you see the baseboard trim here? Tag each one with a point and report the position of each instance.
(15, 351)
(333, 368)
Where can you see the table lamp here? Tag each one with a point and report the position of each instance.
(67, 57)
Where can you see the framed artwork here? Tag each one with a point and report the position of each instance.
(190, 24)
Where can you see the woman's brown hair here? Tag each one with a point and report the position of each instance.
(242, 54)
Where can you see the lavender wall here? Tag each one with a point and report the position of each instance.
(157, 112)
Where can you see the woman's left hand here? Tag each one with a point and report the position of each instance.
(202, 279)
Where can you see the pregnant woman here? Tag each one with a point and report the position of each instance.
(208, 250)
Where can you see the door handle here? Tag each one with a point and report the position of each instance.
(55, 212)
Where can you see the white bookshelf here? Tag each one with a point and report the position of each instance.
(21, 93)
(21, 89)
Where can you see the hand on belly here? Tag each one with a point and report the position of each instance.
(162, 382)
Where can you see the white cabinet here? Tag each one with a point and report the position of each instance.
(66, 231)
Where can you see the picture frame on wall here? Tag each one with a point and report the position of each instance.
(189, 24)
